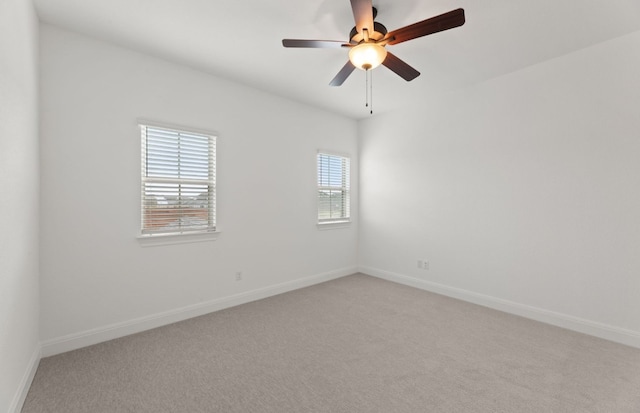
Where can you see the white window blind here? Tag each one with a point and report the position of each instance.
(178, 181)
(333, 188)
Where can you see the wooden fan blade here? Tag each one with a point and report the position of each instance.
(400, 68)
(436, 24)
(363, 14)
(343, 74)
(321, 44)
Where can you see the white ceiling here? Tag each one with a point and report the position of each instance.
(241, 40)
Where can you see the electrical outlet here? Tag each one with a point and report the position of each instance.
(239, 276)
(425, 265)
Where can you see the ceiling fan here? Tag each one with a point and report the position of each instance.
(368, 39)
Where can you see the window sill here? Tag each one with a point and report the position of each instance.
(333, 225)
(170, 239)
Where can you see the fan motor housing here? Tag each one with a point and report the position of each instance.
(379, 31)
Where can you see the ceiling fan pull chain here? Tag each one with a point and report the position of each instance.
(366, 88)
(371, 94)
(368, 84)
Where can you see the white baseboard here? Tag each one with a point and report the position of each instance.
(593, 328)
(117, 330)
(25, 383)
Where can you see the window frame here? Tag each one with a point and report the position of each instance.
(344, 188)
(180, 234)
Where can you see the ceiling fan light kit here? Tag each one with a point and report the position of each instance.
(368, 39)
(367, 56)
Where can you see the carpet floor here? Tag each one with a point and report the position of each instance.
(355, 344)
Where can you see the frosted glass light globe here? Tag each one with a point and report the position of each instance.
(367, 56)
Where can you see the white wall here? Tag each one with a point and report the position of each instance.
(522, 192)
(19, 341)
(95, 273)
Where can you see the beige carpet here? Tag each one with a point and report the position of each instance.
(356, 344)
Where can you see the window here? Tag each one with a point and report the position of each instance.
(178, 181)
(333, 188)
